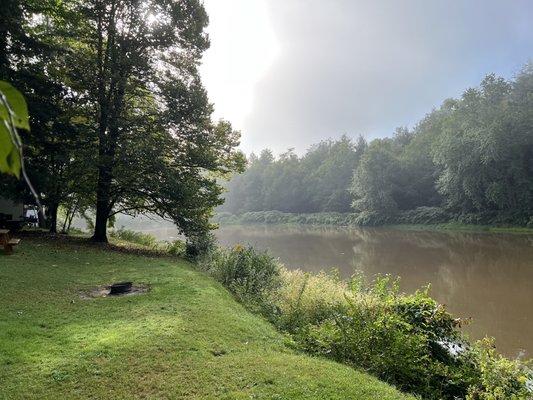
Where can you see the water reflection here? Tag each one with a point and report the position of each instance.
(488, 277)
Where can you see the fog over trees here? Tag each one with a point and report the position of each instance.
(471, 160)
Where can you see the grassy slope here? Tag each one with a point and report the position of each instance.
(186, 338)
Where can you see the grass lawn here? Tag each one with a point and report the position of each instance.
(186, 338)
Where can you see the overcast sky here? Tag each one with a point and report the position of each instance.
(289, 73)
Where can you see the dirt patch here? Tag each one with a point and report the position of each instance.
(104, 291)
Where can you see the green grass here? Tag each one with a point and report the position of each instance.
(186, 338)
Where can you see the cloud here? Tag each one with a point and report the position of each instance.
(365, 67)
(243, 48)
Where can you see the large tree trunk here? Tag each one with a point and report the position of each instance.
(110, 101)
(108, 146)
(52, 210)
(102, 204)
(100, 227)
(41, 219)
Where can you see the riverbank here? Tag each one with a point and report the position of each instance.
(452, 226)
(409, 340)
(185, 338)
(350, 220)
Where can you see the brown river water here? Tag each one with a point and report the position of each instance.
(484, 276)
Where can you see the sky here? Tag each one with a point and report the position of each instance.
(289, 73)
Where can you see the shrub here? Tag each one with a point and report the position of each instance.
(177, 248)
(501, 378)
(372, 218)
(370, 327)
(278, 217)
(419, 215)
(127, 235)
(424, 215)
(376, 339)
(403, 339)
(250, 275)
(427, 316)
(307, 299)
(198, 246)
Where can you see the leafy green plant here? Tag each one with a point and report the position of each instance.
(410, 341)
(198, 246)
(307, 299)
(278, 217)
(13, 115)
(177, 248)
(372, 218)
(424, 215)
(501, 378)
(371, 326)
(251, 275)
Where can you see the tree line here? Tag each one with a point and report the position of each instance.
(119, 119)
(470, 160)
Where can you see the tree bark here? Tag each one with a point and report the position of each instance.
(41, 219)
(111, 89)
(71, 217)
(108, 145)
(53, 217)
(102, 204)
(64, 228)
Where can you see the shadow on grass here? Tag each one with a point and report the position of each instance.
(65, 240)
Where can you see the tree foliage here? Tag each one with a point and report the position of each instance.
(34, 60)
(316, 182)
(470, 160)
(120, 119)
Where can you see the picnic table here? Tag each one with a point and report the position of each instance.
(7, 242)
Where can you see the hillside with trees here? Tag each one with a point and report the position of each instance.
(470, 160)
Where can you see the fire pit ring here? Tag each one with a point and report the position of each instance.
(120, 288)
(115, 290)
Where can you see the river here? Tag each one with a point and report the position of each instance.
(484, 276)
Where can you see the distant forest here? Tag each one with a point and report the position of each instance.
(470, 160)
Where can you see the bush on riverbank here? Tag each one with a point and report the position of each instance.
(403, 339)
(199, 246)
(250, 275)
(421, 216)
(278, 217)
(424, 215)
(500, 378)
